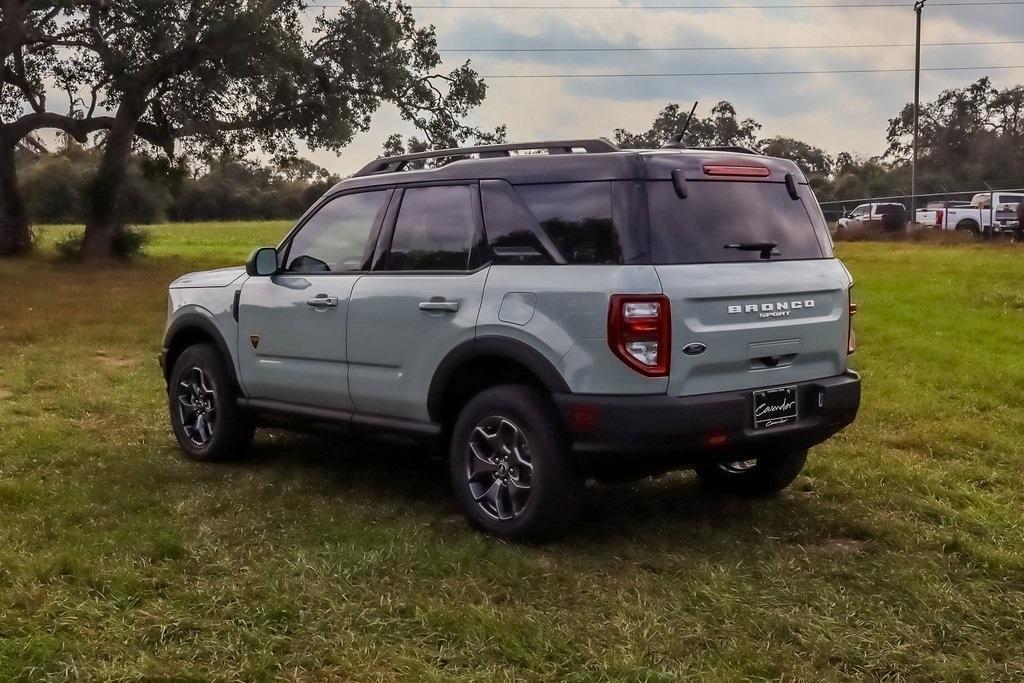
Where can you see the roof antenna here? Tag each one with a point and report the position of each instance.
(676, 142)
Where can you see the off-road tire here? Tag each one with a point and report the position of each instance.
(523, 415)
(229, 433)
(767, 475)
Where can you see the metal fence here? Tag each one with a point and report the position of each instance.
(837, 208)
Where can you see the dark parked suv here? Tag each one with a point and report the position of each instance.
(546, 317)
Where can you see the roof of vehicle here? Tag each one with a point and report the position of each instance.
(613, 164)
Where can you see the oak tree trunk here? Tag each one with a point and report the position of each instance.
(103, 221)
(15, 236)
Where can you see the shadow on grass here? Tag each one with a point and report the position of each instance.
(671, 511)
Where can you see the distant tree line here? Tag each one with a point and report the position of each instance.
(968, 136)
(56, 185)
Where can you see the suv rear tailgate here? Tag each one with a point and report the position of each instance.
(744, 256)
(762, 324)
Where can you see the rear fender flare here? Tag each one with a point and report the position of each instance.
(498, 347)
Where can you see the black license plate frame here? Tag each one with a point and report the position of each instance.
(775, 407)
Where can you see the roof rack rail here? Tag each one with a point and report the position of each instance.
(398, 163)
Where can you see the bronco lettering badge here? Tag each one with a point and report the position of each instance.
(772, 309)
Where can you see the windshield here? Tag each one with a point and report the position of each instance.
(741, 214)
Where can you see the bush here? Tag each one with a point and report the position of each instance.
(69, 247)
(929, 235)
(56, 188)
(128, 243)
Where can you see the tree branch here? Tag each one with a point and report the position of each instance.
(79, 129)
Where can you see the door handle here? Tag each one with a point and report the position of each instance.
(322, 302)
(439, 306)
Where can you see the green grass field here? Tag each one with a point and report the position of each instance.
(899, 555)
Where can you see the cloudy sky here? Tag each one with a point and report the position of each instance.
(835, 111)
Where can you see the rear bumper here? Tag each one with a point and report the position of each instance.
(684, 426)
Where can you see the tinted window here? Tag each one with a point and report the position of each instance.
(435, 230)
(716, 213)
(577, 217)
(335, 238)
(889, 208)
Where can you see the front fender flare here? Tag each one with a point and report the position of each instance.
(196, 318)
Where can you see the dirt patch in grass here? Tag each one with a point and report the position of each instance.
(843, 546)
(1008, 300)
(111, 360)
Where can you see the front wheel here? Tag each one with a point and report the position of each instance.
(204, 407)
(510, 466)
(763, 476)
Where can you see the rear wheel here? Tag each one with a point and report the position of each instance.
(762, 476)
(968, 226)
(510, 466)
(204, 407)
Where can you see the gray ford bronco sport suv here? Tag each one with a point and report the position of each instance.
(546, 317)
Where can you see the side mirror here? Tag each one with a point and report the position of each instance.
(262, 262)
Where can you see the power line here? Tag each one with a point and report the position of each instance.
(717, 48)
(751, 73)
(691, 7)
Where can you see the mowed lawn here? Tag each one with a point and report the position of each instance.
(899, 555)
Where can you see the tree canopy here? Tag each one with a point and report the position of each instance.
(200, 77)
(967, 135)
(720, 128)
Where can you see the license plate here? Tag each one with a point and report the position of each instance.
(774, 407)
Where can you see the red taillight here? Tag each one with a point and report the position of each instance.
(640, 332)
(741, 171)
(584, 417)
(717, 439)
(938, 218)
(851, 337)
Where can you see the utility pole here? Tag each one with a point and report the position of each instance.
(918, 6)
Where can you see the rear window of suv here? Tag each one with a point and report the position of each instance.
(716, 213)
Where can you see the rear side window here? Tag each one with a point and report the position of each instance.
(577, 217)
(716, 213)
(435, 230)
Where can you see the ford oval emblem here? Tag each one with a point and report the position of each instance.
(695, 349)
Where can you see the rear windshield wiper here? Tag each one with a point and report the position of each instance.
(767, 249)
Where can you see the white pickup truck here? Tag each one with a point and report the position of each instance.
(867, 215)
(988, 212)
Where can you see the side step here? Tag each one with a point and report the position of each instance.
(282, 411)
